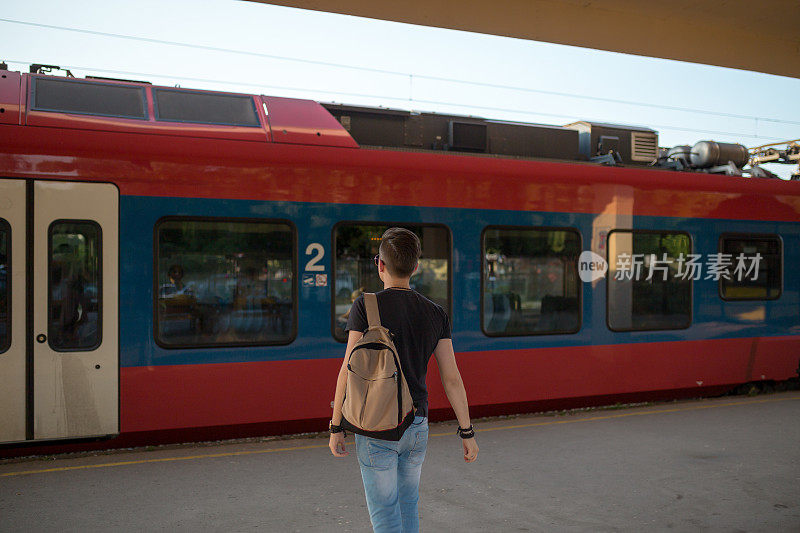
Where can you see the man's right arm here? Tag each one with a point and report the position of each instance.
(336, 440)
(456, 394)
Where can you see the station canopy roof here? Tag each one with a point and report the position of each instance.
(762, 36)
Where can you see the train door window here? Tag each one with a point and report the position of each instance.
(205, 108)
(224, 283)
(74, 285)
(356, 245)
(649, 280)
(88, 98)
(530, 281)
(5, 286)
(753, 269)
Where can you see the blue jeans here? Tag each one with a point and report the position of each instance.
(390, 471)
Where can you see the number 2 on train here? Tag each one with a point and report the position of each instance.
(312, 265)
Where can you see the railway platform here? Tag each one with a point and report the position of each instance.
(726, 464)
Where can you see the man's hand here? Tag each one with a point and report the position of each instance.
(336, 444)
(470, 450)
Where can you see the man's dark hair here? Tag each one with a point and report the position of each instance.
(400, 250)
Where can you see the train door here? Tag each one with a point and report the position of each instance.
(64, 314)
(12, 311)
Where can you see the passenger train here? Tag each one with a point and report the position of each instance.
(179, 264)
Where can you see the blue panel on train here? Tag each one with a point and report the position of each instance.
(314, 222)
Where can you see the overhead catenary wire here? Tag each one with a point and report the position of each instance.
(399, 73)
(400, 100)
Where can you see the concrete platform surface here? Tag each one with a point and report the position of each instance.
(729, 464)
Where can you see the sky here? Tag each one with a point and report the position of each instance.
(257, 48)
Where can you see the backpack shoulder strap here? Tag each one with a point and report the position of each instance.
(371, 304)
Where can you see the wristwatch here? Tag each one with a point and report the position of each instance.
(334, 429)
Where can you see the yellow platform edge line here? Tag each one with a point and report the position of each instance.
(625, 415)
(162, 460)
(484, 430)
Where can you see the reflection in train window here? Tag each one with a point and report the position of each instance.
(530, 281)
(74, 285)
(649, 280)
(222, 282)
(754, 267)
(357, 244)
(5, 286)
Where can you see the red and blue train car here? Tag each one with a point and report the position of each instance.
(177, 265)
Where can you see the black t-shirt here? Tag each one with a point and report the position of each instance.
(417, 324)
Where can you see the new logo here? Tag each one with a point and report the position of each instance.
(591, 266)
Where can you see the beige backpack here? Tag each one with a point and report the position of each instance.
(377, 401)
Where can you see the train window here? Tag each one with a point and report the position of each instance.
(88, 98)
(74, 285)
(224, 283)
(356, 245)
(530, 281)
(5, 286)
(753, 269)
(205, 108)
(649, 280)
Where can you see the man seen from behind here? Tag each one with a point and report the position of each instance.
(391, 470)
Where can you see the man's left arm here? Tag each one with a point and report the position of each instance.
(454, 389)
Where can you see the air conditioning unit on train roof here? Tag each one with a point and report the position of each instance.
(634, 144)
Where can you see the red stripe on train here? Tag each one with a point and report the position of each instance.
(162, 165)
(193, 396)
